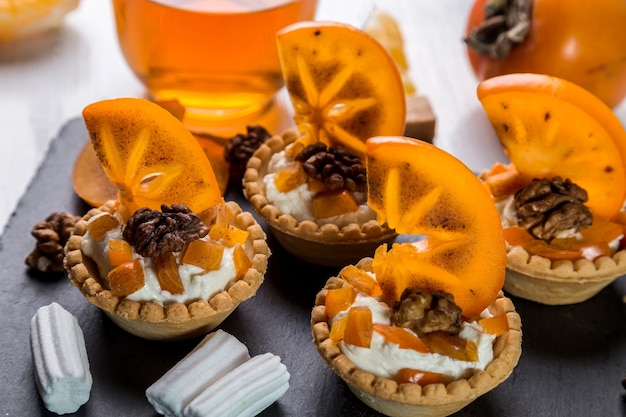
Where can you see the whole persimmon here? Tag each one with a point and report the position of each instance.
(583, 42)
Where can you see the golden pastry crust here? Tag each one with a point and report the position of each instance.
(173, 321)
(412, 400)
(328, 244)
(558, 282)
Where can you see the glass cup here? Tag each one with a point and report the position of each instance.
(217, 58)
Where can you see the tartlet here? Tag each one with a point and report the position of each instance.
(532, 276)
(328, 244)
(411, 399)
(176, 320)
(559, 281)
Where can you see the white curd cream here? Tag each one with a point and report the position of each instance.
(385, 359)
(299, 201)
(198, 283)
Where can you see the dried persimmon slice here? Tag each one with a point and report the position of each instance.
(419, 189)
(344, 85)
(150, 157)
(551, 127)
(89, 180)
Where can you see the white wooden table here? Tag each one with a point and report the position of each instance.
(40, 93)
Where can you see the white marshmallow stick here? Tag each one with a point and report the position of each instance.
(60, 357)
(216, 355)
(243, 392)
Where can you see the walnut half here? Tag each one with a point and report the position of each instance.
(547, 207)
(426, 312)
(153, 233)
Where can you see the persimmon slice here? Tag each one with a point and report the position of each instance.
(550, 127)
(420, 189)
(344, 86)
(89, 180)
(150, 157)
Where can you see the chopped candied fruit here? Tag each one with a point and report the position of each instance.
(452, 346)
(413, 376)
(338, 329)
(401, 337)
(126, 278)
(167, 273)
(218, 218)
(359, 328)
(290, 177)
(203, 254)
(338, 300)
(119, 252)
(242, 262)
(360, 280)
(217, 213)
(333, 204)
(495, 325)
(99, 225)
(316, 186)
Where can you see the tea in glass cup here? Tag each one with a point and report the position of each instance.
(217, 58)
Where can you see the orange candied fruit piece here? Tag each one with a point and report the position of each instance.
(414, 376)
(496, 325)
(119, 252)
(167, 274)
(602, 230)
(338, 329)
(203, 254)
(126, 278)
(290, 177)
(229, 235)
(517, 236)
(401, 337)
(218, 219)
(360, 280)
(217, 213)
(99, 225)
(502, 180)
(317, 186)
(452, 346)
(359, 328)
(338, 300)
(333, 204)
(242, 262)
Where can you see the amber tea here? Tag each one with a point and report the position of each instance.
(218, 58)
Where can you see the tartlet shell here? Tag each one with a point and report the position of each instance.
(173, 321)
(559, 282)
(412, 400)
(326, 245)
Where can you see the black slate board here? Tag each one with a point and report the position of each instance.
(573, 360)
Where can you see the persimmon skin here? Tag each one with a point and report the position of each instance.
(582, 43)
(551, 127)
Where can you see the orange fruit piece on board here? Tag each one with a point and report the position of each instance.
(551, 127)
(419, 189)
(150, 157)
(344, 85)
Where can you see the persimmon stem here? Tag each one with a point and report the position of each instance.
(507, 23)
